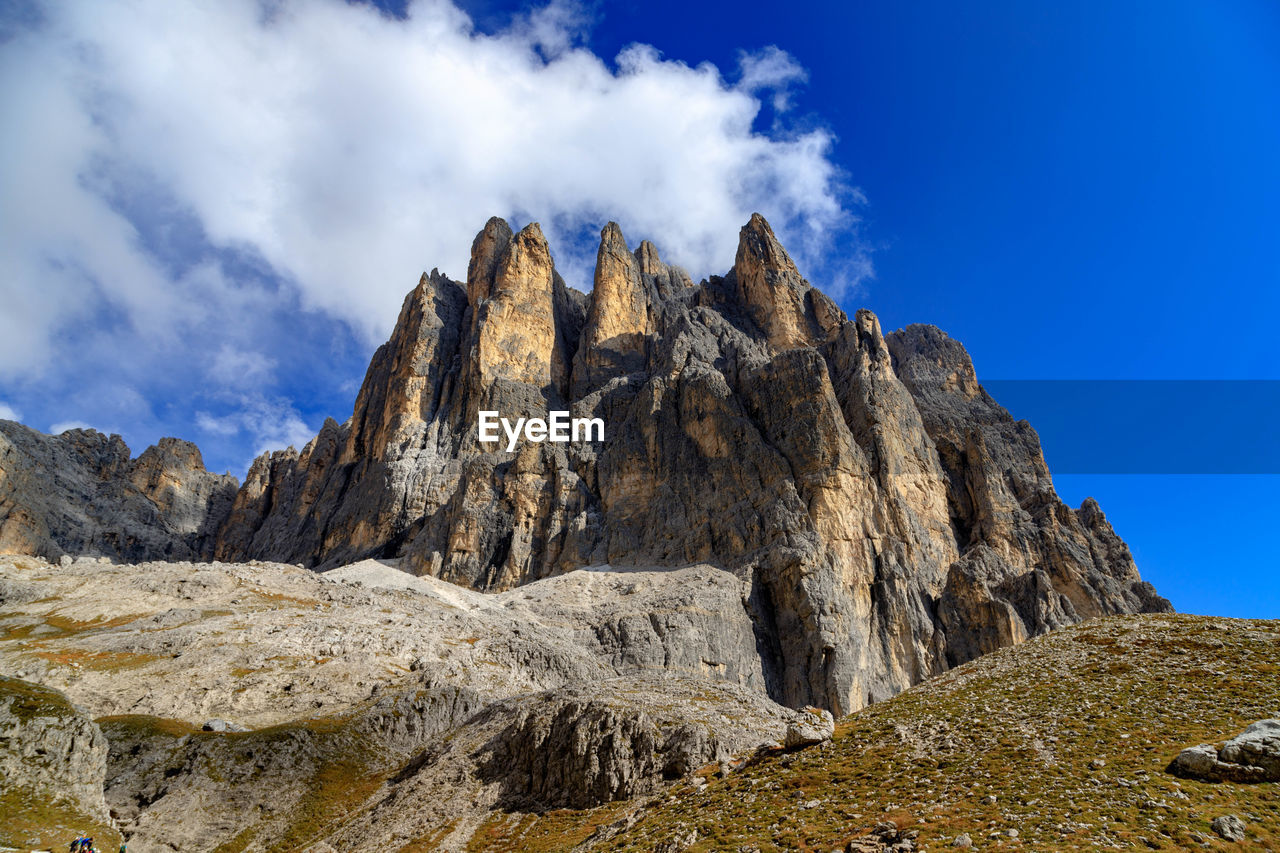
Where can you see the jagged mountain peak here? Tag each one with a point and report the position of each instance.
(887, 528)
(887, 518)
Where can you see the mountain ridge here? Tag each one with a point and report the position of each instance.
(888, 518)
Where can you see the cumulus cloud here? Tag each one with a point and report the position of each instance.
(176, 176)
(8, 413)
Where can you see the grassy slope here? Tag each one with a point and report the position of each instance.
(1009, 742)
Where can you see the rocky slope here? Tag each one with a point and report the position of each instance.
(369, 709)
(81, 493)
(263, 644)
(333, 700)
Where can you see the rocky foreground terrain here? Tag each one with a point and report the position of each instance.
(321, 690)
(1062, 743)
(220, 707)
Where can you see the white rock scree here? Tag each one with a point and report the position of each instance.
(560, 428)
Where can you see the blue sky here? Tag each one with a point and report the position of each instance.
(1075, 191)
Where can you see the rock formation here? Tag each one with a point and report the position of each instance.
(81, 493)
(51, 755)
(889, 518)
(1251, 756)
(153, 638)
(886, 518)
(364, 696)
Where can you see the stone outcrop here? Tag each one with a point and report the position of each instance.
(814, 725)
(1251, 756)
(53, 760)
(581, 746)
(885, 517)
(80, 493)
(575, 747)
(171, 786)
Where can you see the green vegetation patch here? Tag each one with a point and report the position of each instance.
(558, 829)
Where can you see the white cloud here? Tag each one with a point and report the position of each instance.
(237, 368)
(8, 413)
(228, 425)
(771, 70)
(347, 151)
(63, 426)
(270, 424)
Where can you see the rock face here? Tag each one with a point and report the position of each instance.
(53, 759)
(889, 518)
(574, 747)
(886, 518)
(81, 493)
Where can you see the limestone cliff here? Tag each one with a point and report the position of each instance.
(888, 518)
(81, 493)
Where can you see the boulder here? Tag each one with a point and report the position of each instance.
(814, 726)
(1251, 756)
(1229, 827)
(217, 725)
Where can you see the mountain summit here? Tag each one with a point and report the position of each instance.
(888, 518)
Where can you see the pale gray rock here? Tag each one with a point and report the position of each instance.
(577, 746)
(174, 787)
(52, 753)
(812, 726)
(1229, 827)
(306, 642)
(1251, 756)
(80, 493)
(216, 725)
(1257, 746)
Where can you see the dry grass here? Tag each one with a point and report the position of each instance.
(559, 829)
(1007, 743)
